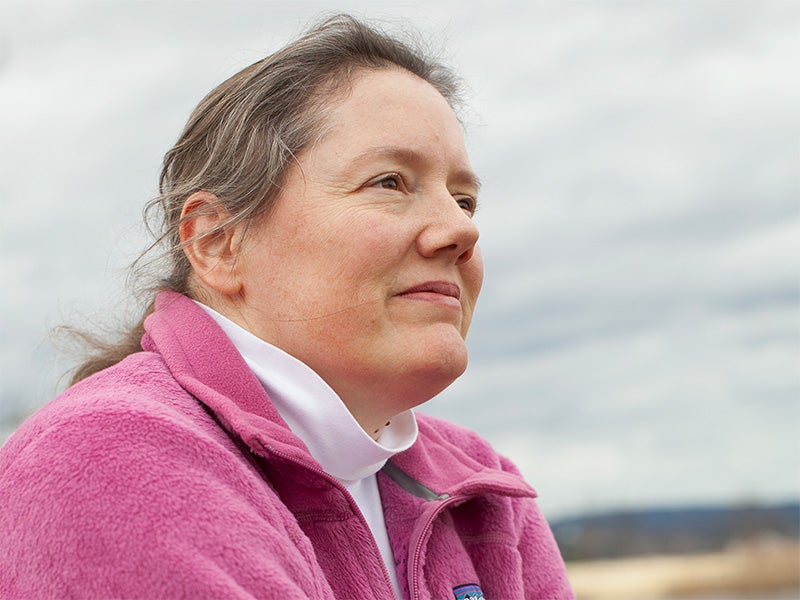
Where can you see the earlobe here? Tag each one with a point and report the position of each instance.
(210, 242)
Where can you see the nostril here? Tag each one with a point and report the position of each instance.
(465, 256)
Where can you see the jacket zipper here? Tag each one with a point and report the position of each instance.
(332, 480)
(415, 593)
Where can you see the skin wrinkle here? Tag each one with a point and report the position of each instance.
(466, 178)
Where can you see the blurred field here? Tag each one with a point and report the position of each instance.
(766, 568)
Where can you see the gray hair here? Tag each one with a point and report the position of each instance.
(242, 137)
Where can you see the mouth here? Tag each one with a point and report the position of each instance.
(445, 290)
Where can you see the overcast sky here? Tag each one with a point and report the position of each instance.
(638, 337)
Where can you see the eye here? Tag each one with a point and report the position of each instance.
(392, 181)
(467, 203)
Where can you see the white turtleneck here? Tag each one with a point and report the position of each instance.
(316, 414)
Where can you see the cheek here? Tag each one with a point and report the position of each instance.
(473, 274)
(368, 247)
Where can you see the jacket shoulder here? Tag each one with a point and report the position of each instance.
(125, 486)
(459, 439)
(139, 384)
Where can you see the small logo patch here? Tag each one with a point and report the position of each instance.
(468, 591)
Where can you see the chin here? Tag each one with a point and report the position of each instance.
(434, 371)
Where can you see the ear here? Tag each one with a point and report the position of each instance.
(210, 242)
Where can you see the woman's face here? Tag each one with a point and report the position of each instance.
(367, 268)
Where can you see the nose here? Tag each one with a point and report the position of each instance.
(449, 231)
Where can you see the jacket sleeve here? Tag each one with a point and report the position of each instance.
(544, 571)
(120, 504)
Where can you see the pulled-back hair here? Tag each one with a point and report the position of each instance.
(242, 137)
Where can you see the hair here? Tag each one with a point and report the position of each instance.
(243, 136)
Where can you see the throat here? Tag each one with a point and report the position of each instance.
(377, 433)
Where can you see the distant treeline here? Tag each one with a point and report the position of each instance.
(673, 531)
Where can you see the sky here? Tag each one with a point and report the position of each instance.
(637, 341)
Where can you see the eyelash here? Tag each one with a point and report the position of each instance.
(472, 204)
(396, 178)
(393, 177)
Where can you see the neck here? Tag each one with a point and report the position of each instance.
(370, 422)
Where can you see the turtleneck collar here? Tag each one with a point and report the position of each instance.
(315, 413)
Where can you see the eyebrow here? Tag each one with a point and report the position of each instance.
(407, 155)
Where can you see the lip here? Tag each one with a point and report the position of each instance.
(437, 292)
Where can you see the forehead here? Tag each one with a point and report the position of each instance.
(396, 112)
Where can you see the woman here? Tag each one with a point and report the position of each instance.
(253, 436)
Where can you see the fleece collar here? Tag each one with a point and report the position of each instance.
(216, 374)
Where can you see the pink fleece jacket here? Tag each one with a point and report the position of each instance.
(171, 475)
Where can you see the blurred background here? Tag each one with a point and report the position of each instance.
(636, 349)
